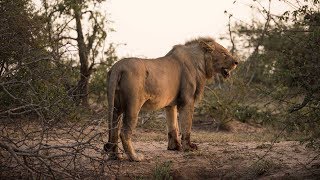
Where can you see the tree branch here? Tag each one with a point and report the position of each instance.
(233, 48)
(14, 155)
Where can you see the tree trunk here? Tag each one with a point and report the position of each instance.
(83, 57)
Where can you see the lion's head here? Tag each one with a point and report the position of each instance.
(225, 61)
(218, 59)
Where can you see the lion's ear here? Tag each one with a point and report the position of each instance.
(208, 65)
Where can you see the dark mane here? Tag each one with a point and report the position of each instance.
(196, 41)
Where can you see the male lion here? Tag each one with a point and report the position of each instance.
(173, 82)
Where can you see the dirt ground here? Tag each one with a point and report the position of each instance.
(245, 152)
(241, 151)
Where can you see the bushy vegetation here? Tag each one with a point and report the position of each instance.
(278, 82)
(40, 71)
(45, 74)
(162, 171)
(31, 82)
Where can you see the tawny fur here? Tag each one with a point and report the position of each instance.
(174, 82)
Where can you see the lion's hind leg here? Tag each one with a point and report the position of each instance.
(130, 121)
(111, 147)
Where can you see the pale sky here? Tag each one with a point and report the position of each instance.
(150, 28)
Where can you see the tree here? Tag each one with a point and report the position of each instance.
(285, 62)
(18, 34)
(64, 20)
(20, 51)
(35, 103)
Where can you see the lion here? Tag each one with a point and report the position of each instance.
(174, 82)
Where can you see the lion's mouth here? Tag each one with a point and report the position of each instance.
(225, 73)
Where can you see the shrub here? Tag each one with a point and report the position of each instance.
(162, 171)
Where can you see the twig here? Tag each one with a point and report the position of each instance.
(14, 155)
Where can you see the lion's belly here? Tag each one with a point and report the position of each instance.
(157, 103)
(161, 84)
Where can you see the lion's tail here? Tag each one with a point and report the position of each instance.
(112, 83)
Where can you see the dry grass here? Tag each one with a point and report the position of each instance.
(201, 136)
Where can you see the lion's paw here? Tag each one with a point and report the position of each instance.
(175, 147)
(137, 157)
(190, 147)
(115, 156)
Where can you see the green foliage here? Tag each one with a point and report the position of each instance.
(98, 83)
(284, 68)
(77, 29)
(246, 113)
(217, 107)
(41, 91)
(162, 171)
(39, 67)
(235, 100)
(260, 168)
(153, 120)
(31, 82)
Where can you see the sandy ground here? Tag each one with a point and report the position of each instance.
(243, 152)
(228, 157)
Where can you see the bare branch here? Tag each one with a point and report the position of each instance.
(230, 35)
(13, 154)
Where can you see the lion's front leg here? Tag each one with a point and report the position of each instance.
(173, 129)
(186, 116)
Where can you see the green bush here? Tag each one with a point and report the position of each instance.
(162, 171)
